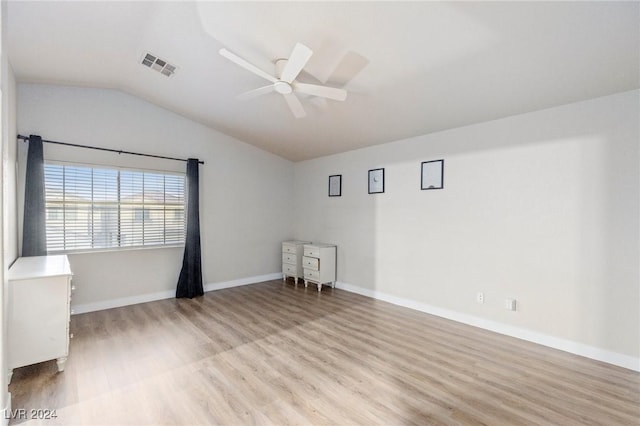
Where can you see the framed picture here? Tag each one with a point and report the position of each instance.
(335, 185)
(432, 175)
(376, 181)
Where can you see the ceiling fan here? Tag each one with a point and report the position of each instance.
(284, 81)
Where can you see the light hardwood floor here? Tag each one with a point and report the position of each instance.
(272, 353)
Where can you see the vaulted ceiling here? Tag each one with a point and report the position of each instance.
(410, 68)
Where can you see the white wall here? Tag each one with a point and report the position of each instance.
(245, 193)
(10, 160)
(8, 211)
(541, 207)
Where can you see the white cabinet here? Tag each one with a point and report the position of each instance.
(292, 259)
(39, 311)
(319, 264)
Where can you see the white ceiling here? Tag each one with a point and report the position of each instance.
(410, 68)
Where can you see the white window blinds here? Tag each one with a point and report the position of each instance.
(100, 208)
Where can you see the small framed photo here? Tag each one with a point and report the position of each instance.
(376, 181)
(432, 175)
(335, 186)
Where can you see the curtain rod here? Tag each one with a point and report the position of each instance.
(26, 138)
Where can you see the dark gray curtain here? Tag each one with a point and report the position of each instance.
(190, 281)
(34, 235)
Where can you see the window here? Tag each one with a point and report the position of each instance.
(100, 208)
(142, 215)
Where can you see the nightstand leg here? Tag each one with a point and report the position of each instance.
(305, 283)
(295, 280)
(61, 362)
(284, 277)
(319, 287)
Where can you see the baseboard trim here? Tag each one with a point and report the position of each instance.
(123, 301)
(151, 297)
(566, 345)
(243, 281)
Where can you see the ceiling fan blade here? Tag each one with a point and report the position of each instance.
(246, 65)
(322, 91)
(298, 59)
(256, 92)
(294, 105)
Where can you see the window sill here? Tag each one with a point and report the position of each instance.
(116, 249)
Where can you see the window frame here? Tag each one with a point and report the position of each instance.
(92, 204)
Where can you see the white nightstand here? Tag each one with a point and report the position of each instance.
(319, 264)
(292, 259)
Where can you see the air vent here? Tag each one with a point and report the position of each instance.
(160, 65)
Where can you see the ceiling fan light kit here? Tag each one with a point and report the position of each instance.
(284, 83)
(282, 87)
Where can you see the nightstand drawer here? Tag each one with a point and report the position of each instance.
(311, 274)
(310, 263)
(288, 269)
(288, 248)
(311, 251)
(292, 259)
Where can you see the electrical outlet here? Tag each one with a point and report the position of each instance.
(510, 304)
(480, 297)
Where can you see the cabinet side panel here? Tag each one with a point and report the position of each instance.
(39, 317)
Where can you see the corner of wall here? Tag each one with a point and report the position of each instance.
(5, 397)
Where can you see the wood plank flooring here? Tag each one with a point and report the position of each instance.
(272, 353)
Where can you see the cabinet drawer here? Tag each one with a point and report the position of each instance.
(311, 263)
(289, 258)
(311, 274)
(288, 248)
(288, 269)
(311, 251)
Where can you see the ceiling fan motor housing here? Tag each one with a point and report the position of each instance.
(280, 64)
(280, 86)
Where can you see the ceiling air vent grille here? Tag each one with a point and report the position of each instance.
(160, 65)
